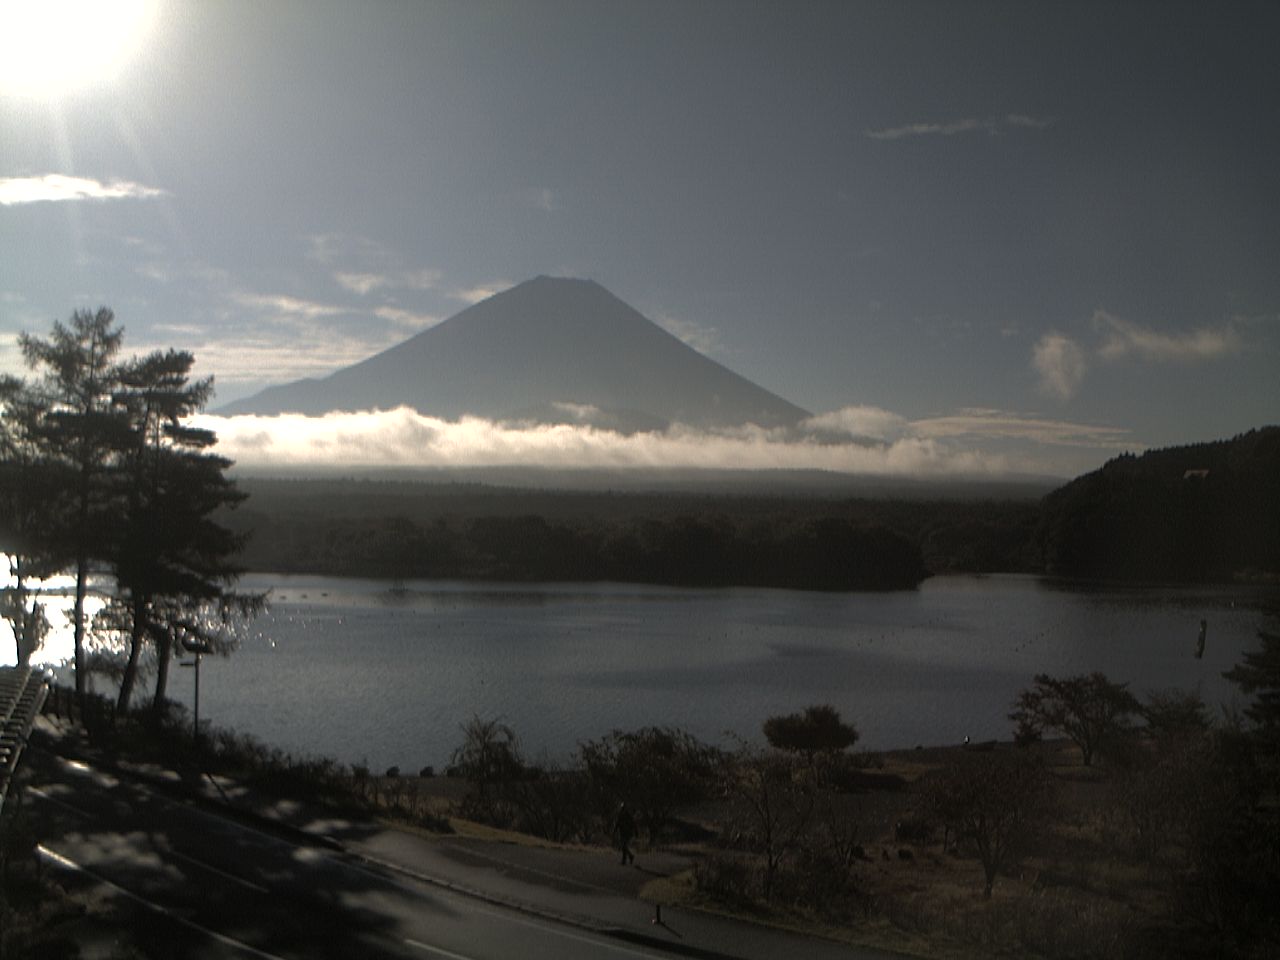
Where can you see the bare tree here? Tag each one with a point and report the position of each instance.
(991, 799)
(777, 795)
(653, 769)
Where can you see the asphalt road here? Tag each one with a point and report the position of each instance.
(191, 882)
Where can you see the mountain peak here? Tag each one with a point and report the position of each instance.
(550, 349)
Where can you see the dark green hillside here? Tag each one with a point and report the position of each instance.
(1204, 512)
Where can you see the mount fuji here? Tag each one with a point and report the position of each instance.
(550, 350)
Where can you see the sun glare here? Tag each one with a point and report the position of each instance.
(49, 48)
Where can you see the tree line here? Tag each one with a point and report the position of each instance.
(1203, 512)
(103, 477)
(1199, 513)
(403, 529)
(825, 553)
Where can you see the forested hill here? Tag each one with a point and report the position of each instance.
(1205, 512)
(411, 530)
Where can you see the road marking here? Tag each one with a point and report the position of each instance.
(439, 951)
(62, 803)
(212, 869)
(69, 864)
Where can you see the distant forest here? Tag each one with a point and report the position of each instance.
(1201, 513)
(1208, 512)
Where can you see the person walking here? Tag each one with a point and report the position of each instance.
(625, 826)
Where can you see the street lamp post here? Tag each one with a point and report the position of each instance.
(199, 648)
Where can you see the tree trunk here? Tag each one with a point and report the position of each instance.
(135, 650)
(20, 621)
(164, 655)
(82, 584)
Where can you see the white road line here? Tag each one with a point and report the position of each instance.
(62, 803)
(212, 869)
(438, 951)
(164, 911)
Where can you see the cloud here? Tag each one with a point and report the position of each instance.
(10, 354)
(858, 422)
(422, 279)
(1061, 364)
(985, 424)
(404, 438)
(991, 125)
(287, 307)
(330, 248)
(543, 198)
(479, 292)
(1022, 120)
(253, 360)
(1124, 338)
(406, 318)
(54, 187)
(361, 283)
(971, 443)
(366, 283)
(702, 338)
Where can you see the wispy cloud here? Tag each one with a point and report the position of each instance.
(1023, 120)
(481, 291)
(1061, 364)
(703, 338)
(986, 424)
(55, 187)
(361, 283)
(287, 307)
(10, 354)
(991, 125)
(328, 249)
(253, 362)
(543, 198)
(407, 319)
(1124, 338)
(366, 283)
(421, 279)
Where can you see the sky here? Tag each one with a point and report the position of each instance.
(977, 238)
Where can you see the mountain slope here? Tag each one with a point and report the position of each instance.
(548, 350)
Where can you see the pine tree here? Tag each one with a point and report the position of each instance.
(29, 487)
(174, 564)
(79, 430)
(1260, 674)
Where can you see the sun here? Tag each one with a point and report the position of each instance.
(50, 48)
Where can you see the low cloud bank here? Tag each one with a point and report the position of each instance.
(856, 440)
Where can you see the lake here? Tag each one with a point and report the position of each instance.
(370, 671)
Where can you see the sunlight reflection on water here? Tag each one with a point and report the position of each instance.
(386, 672)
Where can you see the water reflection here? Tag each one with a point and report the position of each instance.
(386, 672)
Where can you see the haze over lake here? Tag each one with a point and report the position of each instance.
(385, 672)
